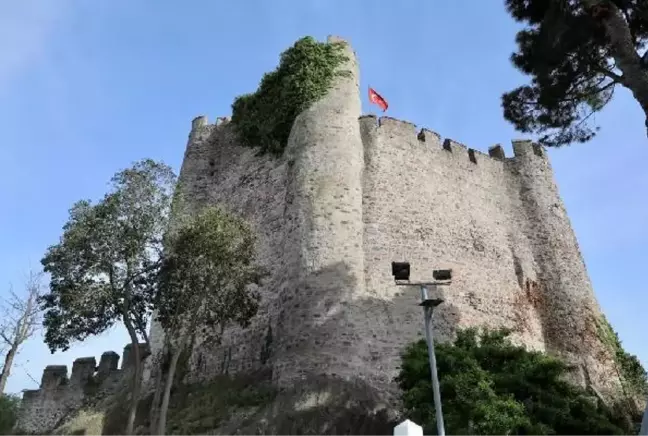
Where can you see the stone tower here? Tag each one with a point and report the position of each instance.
(350, 195)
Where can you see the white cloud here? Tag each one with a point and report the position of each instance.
(27, 27)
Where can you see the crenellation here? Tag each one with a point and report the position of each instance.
(482, 155)
(199, 122)
(129, 355)
(391, 128)
(523, 148)
(42, 409)
(30, 394)
(83, 369)
(454, 146)
(497, 152)
(471, 155)
(221, 121)
(373, 117)
(402, 127)
(430, 137)
(108, 363)
(54, 376)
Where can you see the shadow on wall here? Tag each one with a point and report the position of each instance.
(328, 346)
(321, 405)
(331, 353)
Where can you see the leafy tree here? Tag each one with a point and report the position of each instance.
(305, 73)
(490, 386)
(576, 52)
(204, 283)
(9, 406)
(629, 369)
(21, 318)
(102, 269)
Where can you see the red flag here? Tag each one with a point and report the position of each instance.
(376, 98)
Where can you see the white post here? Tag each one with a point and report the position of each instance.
(408, 428)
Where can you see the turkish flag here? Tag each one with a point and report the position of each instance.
(376, 98)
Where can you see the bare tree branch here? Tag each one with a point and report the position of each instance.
(30, 376)
(20, 321)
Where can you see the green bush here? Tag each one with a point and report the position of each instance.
(490, 386)
(304, 75)
(9, 405)
(632, 373)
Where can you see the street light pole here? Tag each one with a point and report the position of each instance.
(401, 273)
(428, 309)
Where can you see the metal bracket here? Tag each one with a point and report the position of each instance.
(431, 302)
(408, 283)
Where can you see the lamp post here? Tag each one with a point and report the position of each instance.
(401, 273)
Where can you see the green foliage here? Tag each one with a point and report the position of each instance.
(102, 267)
(204, 283)
(9, 406)
(204, 278)
(490, 386)
(633, 374)
(305, 73)
(567, 52)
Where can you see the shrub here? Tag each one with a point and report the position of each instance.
(490, 386)
(304, 75)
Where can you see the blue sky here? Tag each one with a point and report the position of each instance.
(89, 87)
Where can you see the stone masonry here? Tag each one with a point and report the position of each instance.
(353, 193)
(43, 409)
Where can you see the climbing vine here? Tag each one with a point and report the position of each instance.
(305, 73)
(633, 374)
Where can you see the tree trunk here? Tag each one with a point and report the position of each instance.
(137, 379)
(635, 75)
(157, 393)
(6, 369)
(161, 429)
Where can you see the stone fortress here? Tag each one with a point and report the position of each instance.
(351, 194)
(43, 409)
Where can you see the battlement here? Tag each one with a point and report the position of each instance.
(390, 127)
(41, 408)
(85, 368)
(203, 121)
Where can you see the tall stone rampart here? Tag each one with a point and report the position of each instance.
(58, 397)
(353, 193)
(499, 223)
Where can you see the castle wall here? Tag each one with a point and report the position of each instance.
(43, 409)
(570, 312)
(352, 194)
(218, 171)
(323, 245)
(307, 208)
(428, 203)
(498, 223)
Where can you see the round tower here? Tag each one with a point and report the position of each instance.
(323, 251)
(571, 316)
